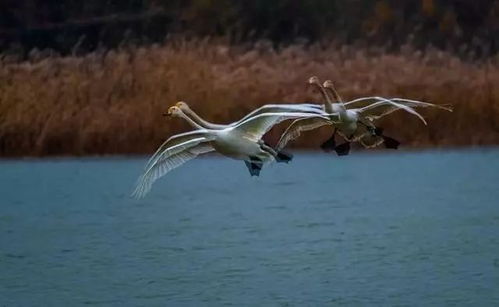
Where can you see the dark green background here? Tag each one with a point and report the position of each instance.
(78, 26)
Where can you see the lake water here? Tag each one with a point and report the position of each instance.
(389, 228)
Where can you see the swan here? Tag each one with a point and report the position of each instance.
(376, 107)
(202, 124)
(242, 142)
(368, 134)
(352, 124)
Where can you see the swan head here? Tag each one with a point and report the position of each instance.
(182, 105)
(328, 83)
(313, 80)
(173, 111)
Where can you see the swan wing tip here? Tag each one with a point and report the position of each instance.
(141, 189)
(447, 107)
(136, 194)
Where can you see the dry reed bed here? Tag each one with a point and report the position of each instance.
(111, 102)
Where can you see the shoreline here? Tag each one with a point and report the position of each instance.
(111, 103)
(294, 151)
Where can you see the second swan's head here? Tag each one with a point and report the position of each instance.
(314, 80)
(173, 111)
(182, 105)
(330, 85)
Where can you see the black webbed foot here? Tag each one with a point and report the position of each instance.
(329, 145)
(343, 149)
(378, 131)
(284, 157)
(253, 168)
(257, 167)
(390, 143)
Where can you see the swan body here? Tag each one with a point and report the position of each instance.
(236, 144)
(241, 142)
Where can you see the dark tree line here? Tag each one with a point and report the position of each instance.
(73, 25)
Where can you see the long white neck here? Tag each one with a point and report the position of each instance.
(198, 120)
(328, 104)
(190, 121)
(339, 106)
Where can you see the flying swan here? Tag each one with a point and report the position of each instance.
(354, 123)
(242, 142)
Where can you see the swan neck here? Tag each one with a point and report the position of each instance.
(190, 121)
(328, 104)
(197, 119)
(328, 107)
(339, 106)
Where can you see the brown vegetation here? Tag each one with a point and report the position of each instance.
(107, 103)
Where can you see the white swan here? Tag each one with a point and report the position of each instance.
(352, 124)
(242, 142)
(367, 133)
(375, 107)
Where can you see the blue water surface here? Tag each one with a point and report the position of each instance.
(389, 228)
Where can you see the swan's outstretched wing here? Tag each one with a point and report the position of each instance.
(280, 108)
(258, 125)
(366, 101)
(175, 144)
(312, 105)
(422, 104)
(167, 163)
(297, 126)
(384, 107)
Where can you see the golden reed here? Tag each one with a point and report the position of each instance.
(111, 102)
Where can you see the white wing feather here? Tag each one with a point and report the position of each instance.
(366, 101)
(384, 107)
(176, 144)
(257, 126)
(164, 165)
(281, 108)
(297, 126)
